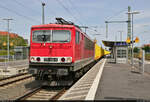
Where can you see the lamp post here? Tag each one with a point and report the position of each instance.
(43, 16)
(8, 37)
(132, 13)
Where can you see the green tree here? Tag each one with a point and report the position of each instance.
(146, 48)
(17, 41)
(136, 50)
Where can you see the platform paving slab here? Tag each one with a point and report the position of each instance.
(80, 90)
(119, 81)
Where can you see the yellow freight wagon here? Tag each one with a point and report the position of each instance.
(99, 52)
(106, 52)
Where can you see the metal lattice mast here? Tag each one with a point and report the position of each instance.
(129, 23)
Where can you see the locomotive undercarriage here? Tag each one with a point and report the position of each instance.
(57, 75)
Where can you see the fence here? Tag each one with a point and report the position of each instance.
(140, 63)
(19, 53)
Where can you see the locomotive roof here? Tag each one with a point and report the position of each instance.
(53, 25)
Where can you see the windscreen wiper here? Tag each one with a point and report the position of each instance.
(44, 38)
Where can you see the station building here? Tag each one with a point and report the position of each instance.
(119, 51)
(21, 52)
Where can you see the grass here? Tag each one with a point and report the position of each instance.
(4, 52)
(147, 56)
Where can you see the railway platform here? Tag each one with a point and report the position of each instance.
(121, 81)
(13, 68)
(111, 81)
(14, 63)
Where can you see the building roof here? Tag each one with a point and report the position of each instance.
(146, 45)
(12, 35)
(114, 43)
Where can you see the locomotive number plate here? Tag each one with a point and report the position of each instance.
(51, 59)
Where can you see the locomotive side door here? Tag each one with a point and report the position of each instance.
(82, 46)
(77, 46)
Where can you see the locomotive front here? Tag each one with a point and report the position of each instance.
(51, 50)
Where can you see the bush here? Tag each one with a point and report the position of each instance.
(4, 52)
(136, 50)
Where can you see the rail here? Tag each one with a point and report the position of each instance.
(42, 93)
(11, 80)
(13, 76)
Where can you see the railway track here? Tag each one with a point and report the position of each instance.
(43, 93)
(14, 79)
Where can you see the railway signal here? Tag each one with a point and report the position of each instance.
(135, 41)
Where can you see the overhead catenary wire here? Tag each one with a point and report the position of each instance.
(68, 11)
(116, 14)
(92, 30)
(24, 6)
(77, 11)
(18, 14)
(49, 10)
(19, 3)
(74, 8)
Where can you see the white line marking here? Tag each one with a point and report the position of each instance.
(93, 89)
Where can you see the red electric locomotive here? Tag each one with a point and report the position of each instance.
(59, 52)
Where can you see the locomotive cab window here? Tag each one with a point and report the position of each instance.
(77, 37)
(61, 36)
(51, 36)
(41, 36)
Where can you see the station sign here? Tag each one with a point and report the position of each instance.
(121, 44)
(135, 41)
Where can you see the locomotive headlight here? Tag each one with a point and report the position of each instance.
(32, 58)
(38, 59)
(69, 59)
(62, 59)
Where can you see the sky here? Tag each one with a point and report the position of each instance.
(91, 13)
